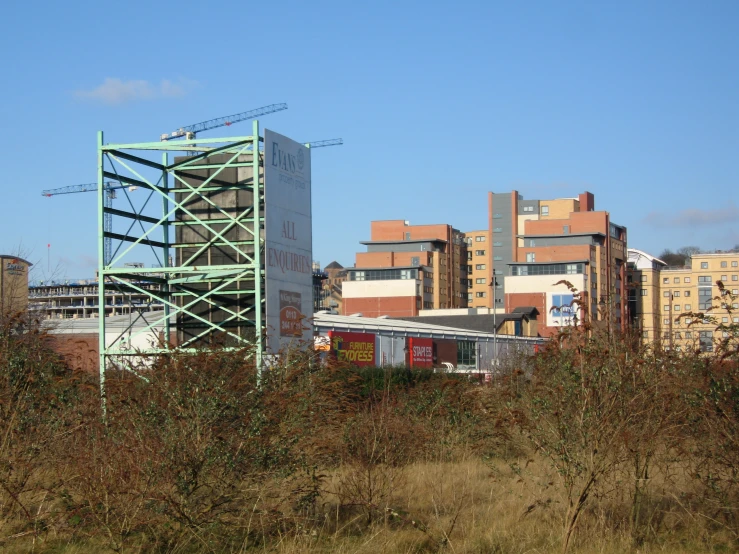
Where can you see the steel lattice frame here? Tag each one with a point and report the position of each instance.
(175, 285)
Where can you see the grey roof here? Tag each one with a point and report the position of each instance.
(560, 235)
(12, 257)
(401, 241)
(334, 265)
(407, 327)
(421, 266)
(528, 310)
(558, 262)
(482, 323)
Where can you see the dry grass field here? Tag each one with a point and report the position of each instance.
(596, 445)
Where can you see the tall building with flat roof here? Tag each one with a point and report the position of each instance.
(407, 268)
(534, 244)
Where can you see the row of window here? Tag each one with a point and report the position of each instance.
(548, 269)
(701, 279)
(383, 274)
(724, 263)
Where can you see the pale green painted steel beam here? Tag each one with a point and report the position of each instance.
(116, 162)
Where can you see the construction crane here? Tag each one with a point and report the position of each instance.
(109, 187)
(191, 131)
(110, 195)
(323, 143)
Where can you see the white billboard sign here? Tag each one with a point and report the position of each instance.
(288, 242)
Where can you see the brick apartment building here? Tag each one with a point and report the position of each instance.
(532, 244)
(407, 268)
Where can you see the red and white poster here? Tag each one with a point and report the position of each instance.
(421, 352)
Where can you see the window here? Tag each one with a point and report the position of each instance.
(498, 258)
(466, 353)
(415, 260)
(481, 294)
(687, 293)
(687, 307)
(480, 238)
(571, 269)
(676, 280)
(528, 208)
(666, 320)
(688, 321)
(704, 279)
(677, 335)
(498, 230)
(704, 265)
(676, 307)
(545, 210)
(706, 341)
(530, 257)
(645, 334)
(498, 243)
(686, 280)
(469, 269)
(665, 280)
(734, 291)
(480, 266)
(676, 294)
(643, 278)
(497, 216)
(644, 292)
(724, 277)
(724, 320)
(407, 236)
(565, 229)
(734, 264)
(688, 334)
(667, 307)
(723, 264)
(479, 252)
(704, 298)
(480, 281)
(735, 277)
(666, 294)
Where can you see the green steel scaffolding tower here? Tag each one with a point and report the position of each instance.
(208, 241)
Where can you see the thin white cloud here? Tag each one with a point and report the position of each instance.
(114, 91)
(694, 217)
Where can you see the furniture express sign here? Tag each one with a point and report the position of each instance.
(356, 348)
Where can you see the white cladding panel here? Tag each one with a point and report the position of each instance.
(288, 241)
(375, 289)
(542, 283)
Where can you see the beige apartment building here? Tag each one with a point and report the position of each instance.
(663, 299)
(479, 269)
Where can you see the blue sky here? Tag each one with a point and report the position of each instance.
(437, 102)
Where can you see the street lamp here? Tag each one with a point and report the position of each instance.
(494, 285)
